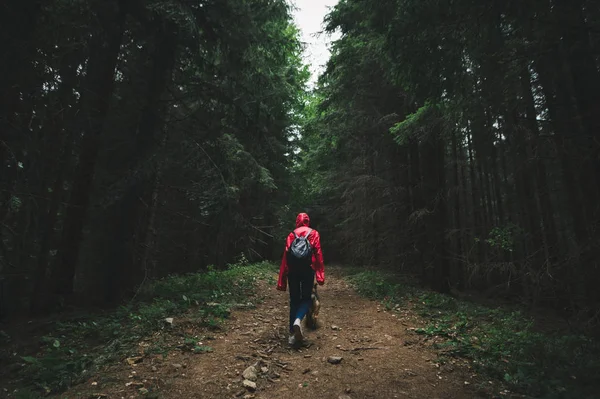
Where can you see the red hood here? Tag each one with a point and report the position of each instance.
(302, 220)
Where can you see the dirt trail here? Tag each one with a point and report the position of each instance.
(381, 359)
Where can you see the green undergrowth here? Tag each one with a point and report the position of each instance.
(74, 349)
(501, 343)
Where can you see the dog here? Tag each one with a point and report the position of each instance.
(313, 311)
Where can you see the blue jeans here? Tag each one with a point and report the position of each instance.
(300, 283)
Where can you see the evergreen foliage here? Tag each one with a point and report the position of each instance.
(459, 142)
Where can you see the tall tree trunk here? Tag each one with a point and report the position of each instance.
(496, 182)
(475, 196)
(529, 214)
(585, 81)
(104, 49)
(458, 191)
(418, 204)
(540, 186)
(136, 212)
(466, 211)
(68, 73)
(560, 108)
(434, 192)
(442, 264)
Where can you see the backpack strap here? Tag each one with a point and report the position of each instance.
(306, 236)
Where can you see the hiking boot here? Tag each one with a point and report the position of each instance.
(298, 330)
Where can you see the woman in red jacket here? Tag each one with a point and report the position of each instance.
(301, 278)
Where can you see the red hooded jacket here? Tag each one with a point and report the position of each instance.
(302, 223)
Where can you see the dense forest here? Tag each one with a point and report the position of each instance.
(139, 139)
(459, 142)
(453, 141)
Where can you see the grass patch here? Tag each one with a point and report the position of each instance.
(76, 348)
(501, 343)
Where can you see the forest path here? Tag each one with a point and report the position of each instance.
(391, 363)
(382, 357)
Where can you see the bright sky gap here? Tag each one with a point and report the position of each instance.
(309, 15)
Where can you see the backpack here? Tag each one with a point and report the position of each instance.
(300, 253)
